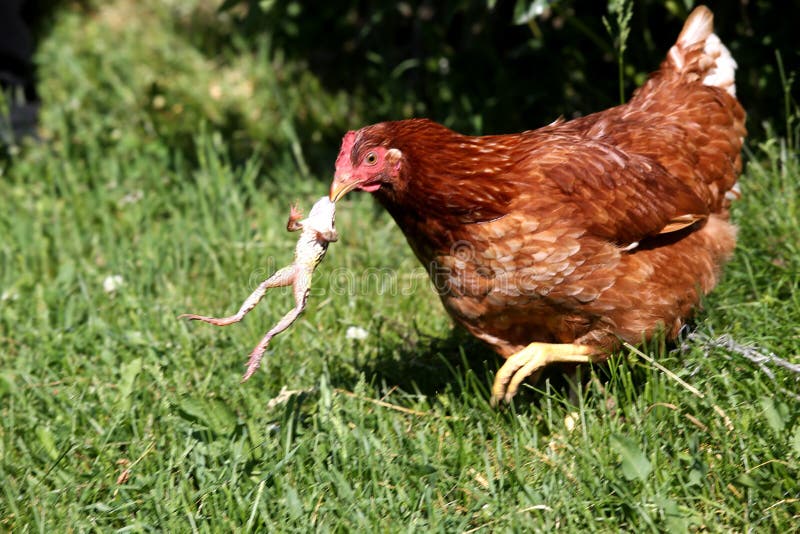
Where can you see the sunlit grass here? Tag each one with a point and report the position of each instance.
(115, 415)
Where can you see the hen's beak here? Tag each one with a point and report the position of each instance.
(341, 185)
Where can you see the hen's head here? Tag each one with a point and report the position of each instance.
(419, 166)
(366, 162)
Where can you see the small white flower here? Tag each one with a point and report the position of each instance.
(112, 282)
(356, 332)
(571, 421)
(9, 294)
(131, 198)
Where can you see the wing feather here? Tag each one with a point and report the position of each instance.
(617, 196)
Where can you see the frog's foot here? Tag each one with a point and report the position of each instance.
(254, 361)
(295, 214)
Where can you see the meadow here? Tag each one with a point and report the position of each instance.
(372, 412)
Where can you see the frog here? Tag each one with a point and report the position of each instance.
(317, 231)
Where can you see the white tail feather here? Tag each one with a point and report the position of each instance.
(722, 73)
(715, 65)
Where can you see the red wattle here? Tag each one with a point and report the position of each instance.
(370, 188)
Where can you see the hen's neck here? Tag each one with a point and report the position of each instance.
(452, 176)
(449, 181)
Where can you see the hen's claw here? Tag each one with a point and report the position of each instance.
(532, 359)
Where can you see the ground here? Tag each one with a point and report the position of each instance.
(116, 415)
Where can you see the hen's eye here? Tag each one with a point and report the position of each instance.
(371, 158)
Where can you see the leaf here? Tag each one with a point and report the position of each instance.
(8, 384)
(48, 441)
(128, 376)
(795, 441)
(256, 438)
(675, 518)
(746, 480)
(695, 476)
(265, 5)
(213, 413)
(635, 464)
(773, 414)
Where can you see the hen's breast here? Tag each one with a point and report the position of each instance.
(521, 278)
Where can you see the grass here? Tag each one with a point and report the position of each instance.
(117, 416)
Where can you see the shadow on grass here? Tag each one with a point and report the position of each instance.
(459, 364)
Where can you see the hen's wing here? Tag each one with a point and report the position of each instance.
(664, 160)
(614, 195)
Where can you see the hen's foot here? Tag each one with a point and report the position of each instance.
(531, 359)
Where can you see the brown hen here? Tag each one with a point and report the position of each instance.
(554, 245)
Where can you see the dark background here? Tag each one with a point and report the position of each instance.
(476, 66)
(469, 65)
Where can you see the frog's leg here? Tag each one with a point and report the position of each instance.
(301, 289)
(283, 277)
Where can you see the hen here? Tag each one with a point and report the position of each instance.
(554, 245)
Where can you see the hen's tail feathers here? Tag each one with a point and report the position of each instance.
(698, 54)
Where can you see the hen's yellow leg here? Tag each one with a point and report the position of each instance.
(533, 358)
